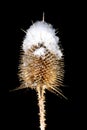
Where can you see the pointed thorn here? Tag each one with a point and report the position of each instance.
(43, 16)
(32, 21)
(18, 88)
(23, 30)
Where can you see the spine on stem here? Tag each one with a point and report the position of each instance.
(41, 104)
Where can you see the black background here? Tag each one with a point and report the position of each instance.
(20, 108)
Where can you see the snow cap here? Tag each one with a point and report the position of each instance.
(42, 33)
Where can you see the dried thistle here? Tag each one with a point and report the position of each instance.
(41, 65)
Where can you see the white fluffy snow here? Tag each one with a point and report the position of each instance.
(40, 51)
(42, 33)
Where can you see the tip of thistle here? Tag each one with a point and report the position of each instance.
(42, 33)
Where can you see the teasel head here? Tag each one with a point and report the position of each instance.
(41, 62)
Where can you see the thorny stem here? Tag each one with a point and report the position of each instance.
(41, 100)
